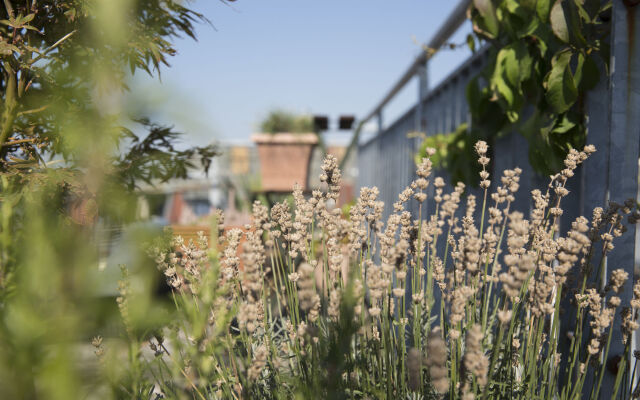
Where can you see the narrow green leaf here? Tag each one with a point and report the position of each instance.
(542, 8)
(530, 5)
(582, 12)
(500, 86)
(488, 15)
(471, 42)
(473, 94)
(563, 125)
(592, 7)
(512, 5)
(7, 49)
(561, 91)
(511, 65)
(28, 18)
(525, 54)
(576, 25)
(559, 22)
(587, 73)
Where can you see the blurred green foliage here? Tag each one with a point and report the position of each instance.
(281, 121)
(452, 153)
(70, 155)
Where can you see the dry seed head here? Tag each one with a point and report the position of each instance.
(309, 299)
(258, 362)
(481, 147)
(420, 197)
(635, 302)
(629, 324)
(460, 297)
(403, 197)
(618, 279)
(438, 272)
(451, 202)
(260, 216)
(474, 359)
(541, 291)
(573, 159)
(377, 284)
(613, 302)
(417, 297)
(97, 343)
(589, 149)
(424, 168)
(504, 316)
(334, 304)
(469, 246)
(510, 184)
(541, 202)
(414, 364)
(601, 317)
(439, 184)
(230, 260)
(519, 270)
(570, 248)
(281, 216)
(253, 257)
(331, 176)
(436, 361)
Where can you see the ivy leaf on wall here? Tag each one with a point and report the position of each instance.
(561, 92)
(487, 24)
(498, 82)
(587, 74)
(545, 56)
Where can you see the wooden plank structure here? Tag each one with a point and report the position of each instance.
(191, 232)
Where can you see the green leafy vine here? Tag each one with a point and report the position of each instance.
(544, 57)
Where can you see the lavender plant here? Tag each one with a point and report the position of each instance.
(450, 303)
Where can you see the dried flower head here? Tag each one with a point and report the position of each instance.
(436, 361)
(474, 359)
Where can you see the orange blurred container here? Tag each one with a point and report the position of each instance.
(284, 159)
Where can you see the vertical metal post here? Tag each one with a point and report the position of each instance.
(423, 87)
(380, 160)
(624, 149)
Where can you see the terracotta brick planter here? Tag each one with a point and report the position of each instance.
(284, 159)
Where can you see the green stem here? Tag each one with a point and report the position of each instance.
(10, 105)
(604, 360)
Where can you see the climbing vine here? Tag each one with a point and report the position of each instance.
(544, 57)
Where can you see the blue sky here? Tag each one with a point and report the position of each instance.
(326, 57)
